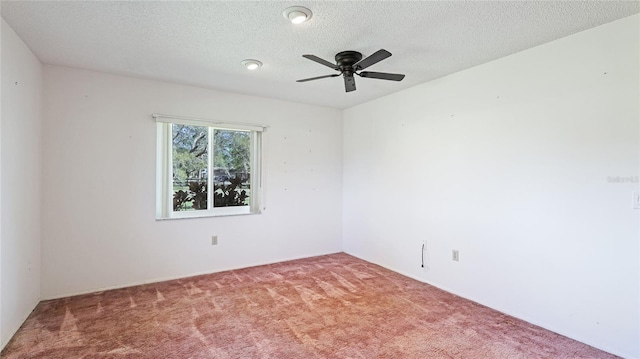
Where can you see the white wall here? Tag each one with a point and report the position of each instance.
(19, 183)
(2, 340)
(508, 163)
(99, 227)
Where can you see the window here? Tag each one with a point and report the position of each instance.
(207, 168)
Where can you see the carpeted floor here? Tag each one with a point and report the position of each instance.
(334, 306)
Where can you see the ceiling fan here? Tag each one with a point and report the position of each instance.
(350, 63)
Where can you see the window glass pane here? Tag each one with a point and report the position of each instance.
(231, 168)
(190, 158)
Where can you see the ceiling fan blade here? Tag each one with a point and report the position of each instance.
(372, 59)
(382, 75)
(321, 61)
(349, 83)
(318, 78)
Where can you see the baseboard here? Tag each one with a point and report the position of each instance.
(13, 331)
(515, 315)
(164, 279)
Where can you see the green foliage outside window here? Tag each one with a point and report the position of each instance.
(231, 172)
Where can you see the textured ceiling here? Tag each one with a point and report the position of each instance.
(202, 43)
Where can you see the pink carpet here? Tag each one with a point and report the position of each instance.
(334, 306)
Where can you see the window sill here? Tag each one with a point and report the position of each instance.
(208, 214)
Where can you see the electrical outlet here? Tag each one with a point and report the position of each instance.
(214, 240)
(454, 255)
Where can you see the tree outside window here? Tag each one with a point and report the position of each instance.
(192, 147)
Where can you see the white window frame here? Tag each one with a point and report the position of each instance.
(164, 168)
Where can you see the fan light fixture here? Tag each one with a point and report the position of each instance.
(251, 64)
(297, 14)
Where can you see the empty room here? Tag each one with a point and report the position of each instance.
(320, 179)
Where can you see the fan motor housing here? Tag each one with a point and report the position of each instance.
(346, 59)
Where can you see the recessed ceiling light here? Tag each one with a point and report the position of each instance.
(251, 64)
(297, 14)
